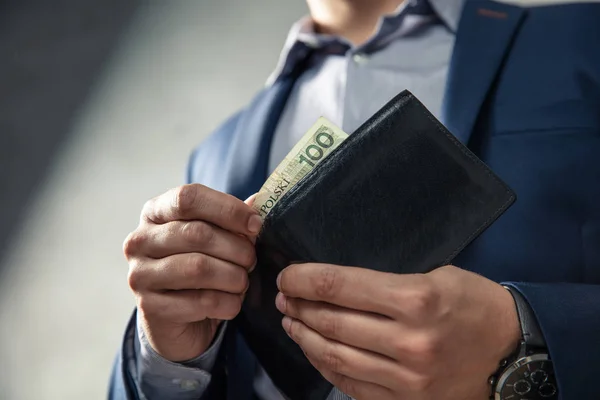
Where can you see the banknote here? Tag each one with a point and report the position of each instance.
(316, 144)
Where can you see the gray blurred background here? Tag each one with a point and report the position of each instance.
(101, 103)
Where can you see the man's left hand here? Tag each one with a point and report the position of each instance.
(377, 335)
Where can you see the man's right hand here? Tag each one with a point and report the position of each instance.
(188, 266)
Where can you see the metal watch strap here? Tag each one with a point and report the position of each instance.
(532, 334)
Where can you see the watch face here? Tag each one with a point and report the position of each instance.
(530, 378)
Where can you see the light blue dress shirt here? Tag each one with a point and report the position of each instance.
(411, 50)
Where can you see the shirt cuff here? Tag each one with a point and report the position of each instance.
(160, 378)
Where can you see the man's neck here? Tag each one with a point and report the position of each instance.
(356, 20)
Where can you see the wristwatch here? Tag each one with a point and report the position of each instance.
(527, 374)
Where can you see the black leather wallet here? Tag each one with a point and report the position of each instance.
(400, 195)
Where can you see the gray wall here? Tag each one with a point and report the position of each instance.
(100, 104)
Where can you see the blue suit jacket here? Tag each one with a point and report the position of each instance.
(524, 94)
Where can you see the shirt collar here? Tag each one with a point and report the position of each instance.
(302, 37)
(449, 11)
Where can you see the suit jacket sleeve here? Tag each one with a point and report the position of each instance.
(569, 317)
(122, 385)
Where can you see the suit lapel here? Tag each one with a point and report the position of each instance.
(484, 37)
(247, 165)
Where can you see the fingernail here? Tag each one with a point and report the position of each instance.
(286, 322)
(281, 302)
(250, 199)
(279, 281)
(254, 223)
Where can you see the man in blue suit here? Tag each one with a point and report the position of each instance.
(521, 87)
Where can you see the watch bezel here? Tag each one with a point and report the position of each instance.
(513, 367)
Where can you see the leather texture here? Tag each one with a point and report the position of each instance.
(400, 195)
(532, 335)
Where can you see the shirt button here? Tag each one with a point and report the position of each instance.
(360, 58)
